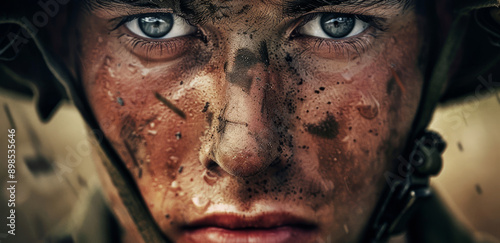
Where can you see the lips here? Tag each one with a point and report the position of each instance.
(269, 227)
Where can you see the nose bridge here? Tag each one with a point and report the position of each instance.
(247, 140)
(248, 78)
(247, 59)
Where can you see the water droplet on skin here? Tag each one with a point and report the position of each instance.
(145, 71)
(132, 68)
(174, 185)
(209, 177)
(347, 75)
(200, 201)
(346, 229)
(111, 96)
(368, 107)
(174, 159)
(111, 72)
(107, 61)
(328, 185)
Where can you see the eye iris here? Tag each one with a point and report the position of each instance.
(156, 27)
(337, 25)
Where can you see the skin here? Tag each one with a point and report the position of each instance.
(251, 117)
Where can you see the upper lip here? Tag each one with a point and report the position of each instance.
(234, 221)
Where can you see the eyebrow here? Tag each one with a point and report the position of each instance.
(304, 6)
(290, 7)
(103, 4)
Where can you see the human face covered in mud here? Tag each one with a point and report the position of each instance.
(270, 121)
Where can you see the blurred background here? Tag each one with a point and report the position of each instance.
(56, 176)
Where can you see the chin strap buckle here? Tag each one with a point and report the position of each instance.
(406, 185)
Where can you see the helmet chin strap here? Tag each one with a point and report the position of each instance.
(120, 177)
(406, 187)
(409, 184)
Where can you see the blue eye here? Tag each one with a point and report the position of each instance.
(160, 26)
(337, 25)
(334, 26)
(156, 27)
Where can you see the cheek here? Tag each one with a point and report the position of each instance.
(358, 122)
(355, 122)
(152, 117)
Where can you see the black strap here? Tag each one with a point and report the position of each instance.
(407, 185)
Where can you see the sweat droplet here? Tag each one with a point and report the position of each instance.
(209, 177)
(107, 61)
(174, 159)
(347, 75)
(346, 229)
(368, 107)
(200, 201)
(132, 68)
(174, 185)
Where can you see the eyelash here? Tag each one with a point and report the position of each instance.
(150, 45)
(356, 45)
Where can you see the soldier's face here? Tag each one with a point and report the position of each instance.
(269, 121)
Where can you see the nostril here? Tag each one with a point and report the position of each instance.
(212, 165)
(210, 177)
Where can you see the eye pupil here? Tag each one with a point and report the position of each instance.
(157, 26)
(337, 25)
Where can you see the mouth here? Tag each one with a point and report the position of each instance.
(269, 227)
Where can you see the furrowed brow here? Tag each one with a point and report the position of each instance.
(303, 6)
(104, 4)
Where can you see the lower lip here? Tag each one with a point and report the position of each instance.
(221, 235)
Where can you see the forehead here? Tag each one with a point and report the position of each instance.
(287, 6)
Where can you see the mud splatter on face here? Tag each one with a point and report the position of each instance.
(264, 53)
(170, 105)
(205, 108)
(299, 126)
(390, 86)
(367, 111)
(243, 61)
(328, 128)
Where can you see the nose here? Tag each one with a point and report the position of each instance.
(247, 138)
